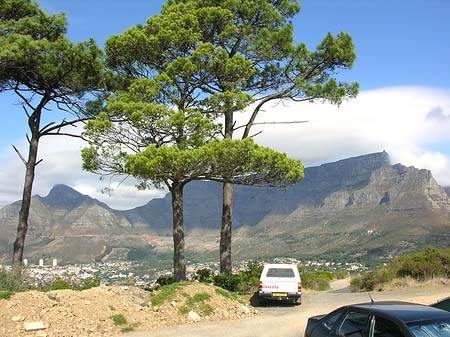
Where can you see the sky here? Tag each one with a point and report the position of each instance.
(402, 48)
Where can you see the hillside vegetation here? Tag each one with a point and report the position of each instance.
(422, 266)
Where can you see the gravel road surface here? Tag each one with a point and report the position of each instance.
(289, 321)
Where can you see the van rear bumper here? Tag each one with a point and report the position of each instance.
(273, 297)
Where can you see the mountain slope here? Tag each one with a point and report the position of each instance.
(359, 207)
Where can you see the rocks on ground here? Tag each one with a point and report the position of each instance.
(98, 311)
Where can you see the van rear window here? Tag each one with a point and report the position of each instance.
(280, 272)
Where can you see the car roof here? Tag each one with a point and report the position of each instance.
(280, 265)
(404, 311)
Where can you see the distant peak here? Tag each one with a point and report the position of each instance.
(65, 197)
(63, 190)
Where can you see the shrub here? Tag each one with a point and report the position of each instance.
(249, 278)
(164, 280)
(226, 281)
(339, 275)
(119, 319)
(317, 280)
(203, 275)
(90, 282)
(165, 293)
(11, 281)
(5, 294)
(60, 284)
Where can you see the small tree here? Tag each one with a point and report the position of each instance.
(168, 147)
(163, 110)
(258, 36)
(46, 71)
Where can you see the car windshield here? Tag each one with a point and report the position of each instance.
(280, 272)
(439, 328)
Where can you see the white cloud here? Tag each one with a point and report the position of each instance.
(411, 123)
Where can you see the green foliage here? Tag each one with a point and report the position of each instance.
(11, 281)
(184, 309)
(204, 275)
(229, 294)
(249, 278)
(165, 293)
(245, 282)
(119, 319)
(197, 303)
(317, 280)
(60, 284)
(5, 294)
(421, 266)
(90, 282)
(197, 298)
(164, 280)
(239, 161)
(226, 281)
(129, 328)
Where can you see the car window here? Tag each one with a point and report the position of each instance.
(355, 324)
(280, 272)
(386, 328)
(439, 328)
(329, 321)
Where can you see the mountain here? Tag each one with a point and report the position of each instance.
(447, 190)
(69, 225)
(361, 207)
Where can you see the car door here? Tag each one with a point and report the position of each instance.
(355, 324)
(384, 327)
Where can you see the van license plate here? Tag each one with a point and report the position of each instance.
(279, 294)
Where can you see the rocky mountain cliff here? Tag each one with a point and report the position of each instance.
(359, 207)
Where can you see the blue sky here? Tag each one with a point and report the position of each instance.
(403, 48)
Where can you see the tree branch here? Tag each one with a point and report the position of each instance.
(20, 155)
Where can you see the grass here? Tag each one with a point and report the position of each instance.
(196, 303)
(206, 309)
(409, 282)
(130, 327)
(229, 294)
(5, 294)
(184, 310)
(198, 298)
(166, 293)
(119, 319)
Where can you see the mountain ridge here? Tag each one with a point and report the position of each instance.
(329, 212)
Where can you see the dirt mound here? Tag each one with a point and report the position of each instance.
(106, 311)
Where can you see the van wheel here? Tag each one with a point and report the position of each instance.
(298, 301)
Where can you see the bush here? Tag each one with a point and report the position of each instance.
(164, 280)
(317, 280)
(11, 281)
(5, 294)
(165, 293)
(203, 275)
(90, 282)
(60, 284)
(119, 319)
(226, 281)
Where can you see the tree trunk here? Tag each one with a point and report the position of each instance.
(225, 232)
(179, 263)
(24, 212)
(227, 210)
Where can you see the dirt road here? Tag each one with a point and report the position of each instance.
(289, 321)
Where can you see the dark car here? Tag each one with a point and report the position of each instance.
(443, 304)
(381, 319)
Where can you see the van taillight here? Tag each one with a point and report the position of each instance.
(260, 285)
(299, 287)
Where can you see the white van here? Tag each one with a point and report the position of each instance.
(280, 282)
